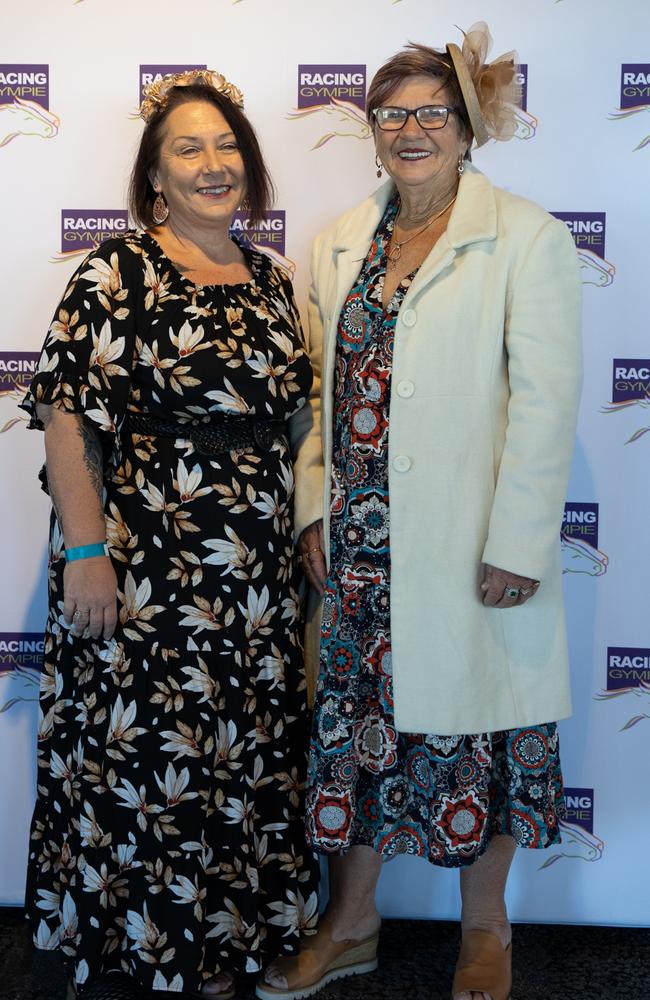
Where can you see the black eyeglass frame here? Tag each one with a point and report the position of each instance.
(415, 112)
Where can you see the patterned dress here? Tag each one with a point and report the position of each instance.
(168, 836)
(441, 797)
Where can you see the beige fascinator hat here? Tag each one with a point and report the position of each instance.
(490, 90)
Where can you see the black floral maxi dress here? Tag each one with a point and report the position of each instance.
(167, 838)
(439, 797)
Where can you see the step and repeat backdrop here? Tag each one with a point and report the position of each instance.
(71, 75)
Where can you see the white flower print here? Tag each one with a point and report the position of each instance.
(230, 400)
(188, 892)
(149, 356)
(257, 613)
(272, 668)
(188, 483)
(174, 785)
(135, 609)
(104, 354)
(295, 913)
(46, 940)
(234, 554)
(188, 341)
(206, 615)
(137, 799)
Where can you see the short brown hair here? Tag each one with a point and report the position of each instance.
(417, 60)
(259, 186)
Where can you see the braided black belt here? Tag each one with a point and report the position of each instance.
(230, 434)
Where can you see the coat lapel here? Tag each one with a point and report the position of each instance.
(473, 220)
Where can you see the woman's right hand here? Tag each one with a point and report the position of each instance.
(90, 597)
(311, 546)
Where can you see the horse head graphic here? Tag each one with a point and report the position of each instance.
(576, 843)
(13, 396)
(345, 118)
(26, 679)
(641, 691)
(627, 404)
(594, 270)
(26, 118)
(525, 124)
(621, 113)
(579, 556)
(284, 262)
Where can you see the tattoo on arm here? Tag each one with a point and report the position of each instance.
(55, 502)
(93, 456)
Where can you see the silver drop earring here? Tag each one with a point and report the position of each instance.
(378, 164)
(461, 165)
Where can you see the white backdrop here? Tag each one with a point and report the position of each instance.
(69, 83)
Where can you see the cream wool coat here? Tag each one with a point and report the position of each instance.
(484, 395)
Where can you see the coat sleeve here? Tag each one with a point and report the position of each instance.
(305, 425)
(544, 359)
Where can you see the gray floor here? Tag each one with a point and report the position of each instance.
(416, 963)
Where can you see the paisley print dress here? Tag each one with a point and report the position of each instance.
(168, 836)
(441, 797)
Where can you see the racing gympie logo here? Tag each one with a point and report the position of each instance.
(152, 72)
(85, 229)
(578, 838)
(588, 231)
(630, 391)
(635, 95)
(335, 97)
(17, 369)
(525, 123)
(25, 102)
(628, 679)
(268, 236)
(579, 540)
(21, 660)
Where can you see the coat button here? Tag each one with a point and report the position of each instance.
(405, 388)
(402, 463)
(409, 317)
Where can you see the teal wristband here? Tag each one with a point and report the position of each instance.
(86, 551)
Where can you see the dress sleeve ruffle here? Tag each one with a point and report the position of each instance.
(86, 363)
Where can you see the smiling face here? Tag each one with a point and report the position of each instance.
(200, 169)
(421, 158)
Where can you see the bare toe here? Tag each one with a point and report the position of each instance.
(273, 977)
(218, 985)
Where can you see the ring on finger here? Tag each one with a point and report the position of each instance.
(512, 593)
(80, 616)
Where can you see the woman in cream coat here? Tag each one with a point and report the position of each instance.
(448, 310)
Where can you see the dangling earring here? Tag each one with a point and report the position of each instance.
(159, 211)
(378, 165)
(461, 165)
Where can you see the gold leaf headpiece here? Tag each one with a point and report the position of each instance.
(491, 91)
(156, 95)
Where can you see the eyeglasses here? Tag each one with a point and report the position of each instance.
(430, 116)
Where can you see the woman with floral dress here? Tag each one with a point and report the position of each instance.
(167, 843)
(446, 315)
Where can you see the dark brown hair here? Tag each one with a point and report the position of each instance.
(417, 60)
(259, 186)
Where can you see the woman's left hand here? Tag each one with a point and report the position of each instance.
(311, 546)
(502, 589)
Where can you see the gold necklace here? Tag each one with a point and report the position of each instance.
(395, 252)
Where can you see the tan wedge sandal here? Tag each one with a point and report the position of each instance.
(484, 966)
(321, 960)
